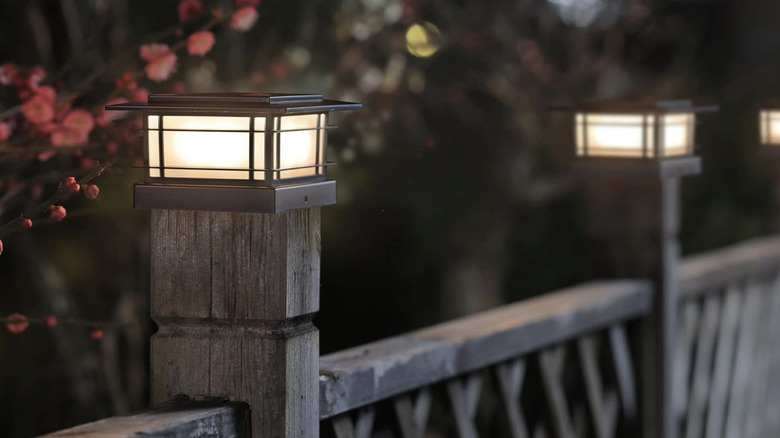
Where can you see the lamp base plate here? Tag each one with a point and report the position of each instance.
(244, 199)
(637, 168)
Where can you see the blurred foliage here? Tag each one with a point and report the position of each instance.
(453, 191)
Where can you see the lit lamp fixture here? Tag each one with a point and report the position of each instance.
(638, 134)
(769, 127)
(246, 152)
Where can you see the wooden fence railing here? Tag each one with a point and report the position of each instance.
(404, 371)
(728, 351)
(561, 365)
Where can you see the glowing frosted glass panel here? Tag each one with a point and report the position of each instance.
(650, 136)
(615, 135)
(153, 122)
(206, 150)
(153, 140)
(206, 123)
(770, 127)
(298, 145)
(677, 134)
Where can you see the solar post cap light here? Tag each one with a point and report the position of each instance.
(647, 135)
(244, 152)
(769, 128)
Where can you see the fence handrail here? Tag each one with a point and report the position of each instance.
(176, 418)
(378, 370)
(699, 274)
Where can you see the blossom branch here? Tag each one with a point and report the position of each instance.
(59, 196)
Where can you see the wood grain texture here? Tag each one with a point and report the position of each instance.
(363, 375)
(233, 295)
(198, 419)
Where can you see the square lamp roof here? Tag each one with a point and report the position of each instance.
(237, 104)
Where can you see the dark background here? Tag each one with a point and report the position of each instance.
(453, 190)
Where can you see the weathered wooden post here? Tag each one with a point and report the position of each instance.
(633, 156)
(235, 182)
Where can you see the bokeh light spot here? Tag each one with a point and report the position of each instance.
(423, 39)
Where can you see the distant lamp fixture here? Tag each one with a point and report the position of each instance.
(250, 152)
(652, 137)
(652, 130)
(769, 125)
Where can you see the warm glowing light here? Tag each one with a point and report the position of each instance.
(678, 134)
(206, 150)
(634, 135)
(770, 127)
(211, 147)
(197, 144)
(298, 140)
(422, 40)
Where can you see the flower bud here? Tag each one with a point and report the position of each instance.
(91, 191)
(96, 334)
(16, 323)
(57, 212)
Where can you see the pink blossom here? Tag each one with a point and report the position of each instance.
(50, 320)
(140, 95)
(112, 147)
(5, 131)
(45, 155)
(8, 73)
(96, 334)
(178, 87)
(87, 163)
(47, 92)
(1, 247)
(38, 109)
(16, 323)
(242, 3)
(70, 185)
(79, 120)
(26, 223)
(47, 128)
(150, 52)
(58, 212)
(161, 61)
(68, 137)
(161, 68)
(104, 117)
(243, 19)
(188, 9)
(199, 43)
(35, 76)
(91, 191)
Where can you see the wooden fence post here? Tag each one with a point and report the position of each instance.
(636, 220)
(234, 295)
